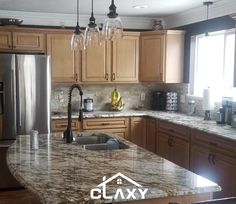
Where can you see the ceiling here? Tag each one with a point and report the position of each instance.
(155, 8)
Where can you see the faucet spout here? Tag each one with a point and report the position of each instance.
(68, 132)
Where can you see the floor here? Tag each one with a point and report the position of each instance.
(21, 196)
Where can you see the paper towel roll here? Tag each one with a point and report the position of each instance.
(207, 105)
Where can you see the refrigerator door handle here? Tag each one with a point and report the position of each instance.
(18, 104)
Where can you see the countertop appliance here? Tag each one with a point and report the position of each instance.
(25, 90)
(88, 104)
(159, 100)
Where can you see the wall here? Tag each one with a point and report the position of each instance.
(101, 95)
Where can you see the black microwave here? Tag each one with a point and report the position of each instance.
(159, 100)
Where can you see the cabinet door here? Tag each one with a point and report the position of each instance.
(138, 131)
(24, 41)
(96, 63)
(200, 162)
(125, 60)
(225, 167)
(180, 152)
(152, 58)
(151, 135)
(163, 148)
(63, 63)
(5, 40)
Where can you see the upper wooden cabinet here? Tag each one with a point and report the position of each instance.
(125, 59)
(64, 61)
(162, 54)
(96, 63)
(22, 41)
(116, 61)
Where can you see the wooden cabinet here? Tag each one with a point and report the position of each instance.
(60, 125)
(151, 134)
(64, 61)
(211, 159)
(138, 131)
(119, 126)
(125, 59)
(116, 61)
(22, 41)
(173, 143)
(96, 63)
(162, 56)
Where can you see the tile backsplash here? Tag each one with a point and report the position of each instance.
(101, 94)
(131, 95)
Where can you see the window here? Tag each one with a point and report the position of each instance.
(212, 64)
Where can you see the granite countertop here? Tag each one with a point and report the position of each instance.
(177, 118)
(65, 173)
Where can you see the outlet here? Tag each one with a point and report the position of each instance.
(142, 96)
(182, 98)
(61, 96)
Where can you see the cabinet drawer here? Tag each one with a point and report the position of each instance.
(174, 129)
(213, 141)
(105, 123)
(61, 125)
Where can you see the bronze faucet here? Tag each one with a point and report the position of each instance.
(68, 135)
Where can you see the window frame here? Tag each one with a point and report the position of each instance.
(194, 53)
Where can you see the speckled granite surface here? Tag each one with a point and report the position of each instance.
(65, 173)
(180, 119)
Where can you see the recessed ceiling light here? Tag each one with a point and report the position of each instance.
(140, 6)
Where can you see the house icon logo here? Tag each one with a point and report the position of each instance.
(100, 191)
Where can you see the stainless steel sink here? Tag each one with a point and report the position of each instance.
(100, 141)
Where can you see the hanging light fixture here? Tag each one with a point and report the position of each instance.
(207, 4)
(77, 40)
(112, 27)
(92, 33)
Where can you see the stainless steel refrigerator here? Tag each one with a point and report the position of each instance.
(25, 89)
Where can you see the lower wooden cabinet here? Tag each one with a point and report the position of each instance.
(60, 125)
(151, 134)
(215, 164)
(173, 144)
(138, 131)
(118, 126)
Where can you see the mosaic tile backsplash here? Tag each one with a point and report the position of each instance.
(131, 95)
(101, 94)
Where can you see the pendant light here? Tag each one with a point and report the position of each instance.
(207, 4)
(92, 33)
(112, 27)
(77, 40)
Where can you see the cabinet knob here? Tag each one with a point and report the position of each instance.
(113, 77)
(76, 77)
(106, 76)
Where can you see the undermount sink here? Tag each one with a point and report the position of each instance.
(99, 141)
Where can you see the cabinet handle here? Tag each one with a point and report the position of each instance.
(213, 143)
(170, 142)
(209, 158)
(105, 123)
(76, 77)
(161, 76)
(106, 76)
(113, 77)
(213, 159)
(173, 203)
(13, 46)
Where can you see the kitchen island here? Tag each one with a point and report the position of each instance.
(66, 173)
